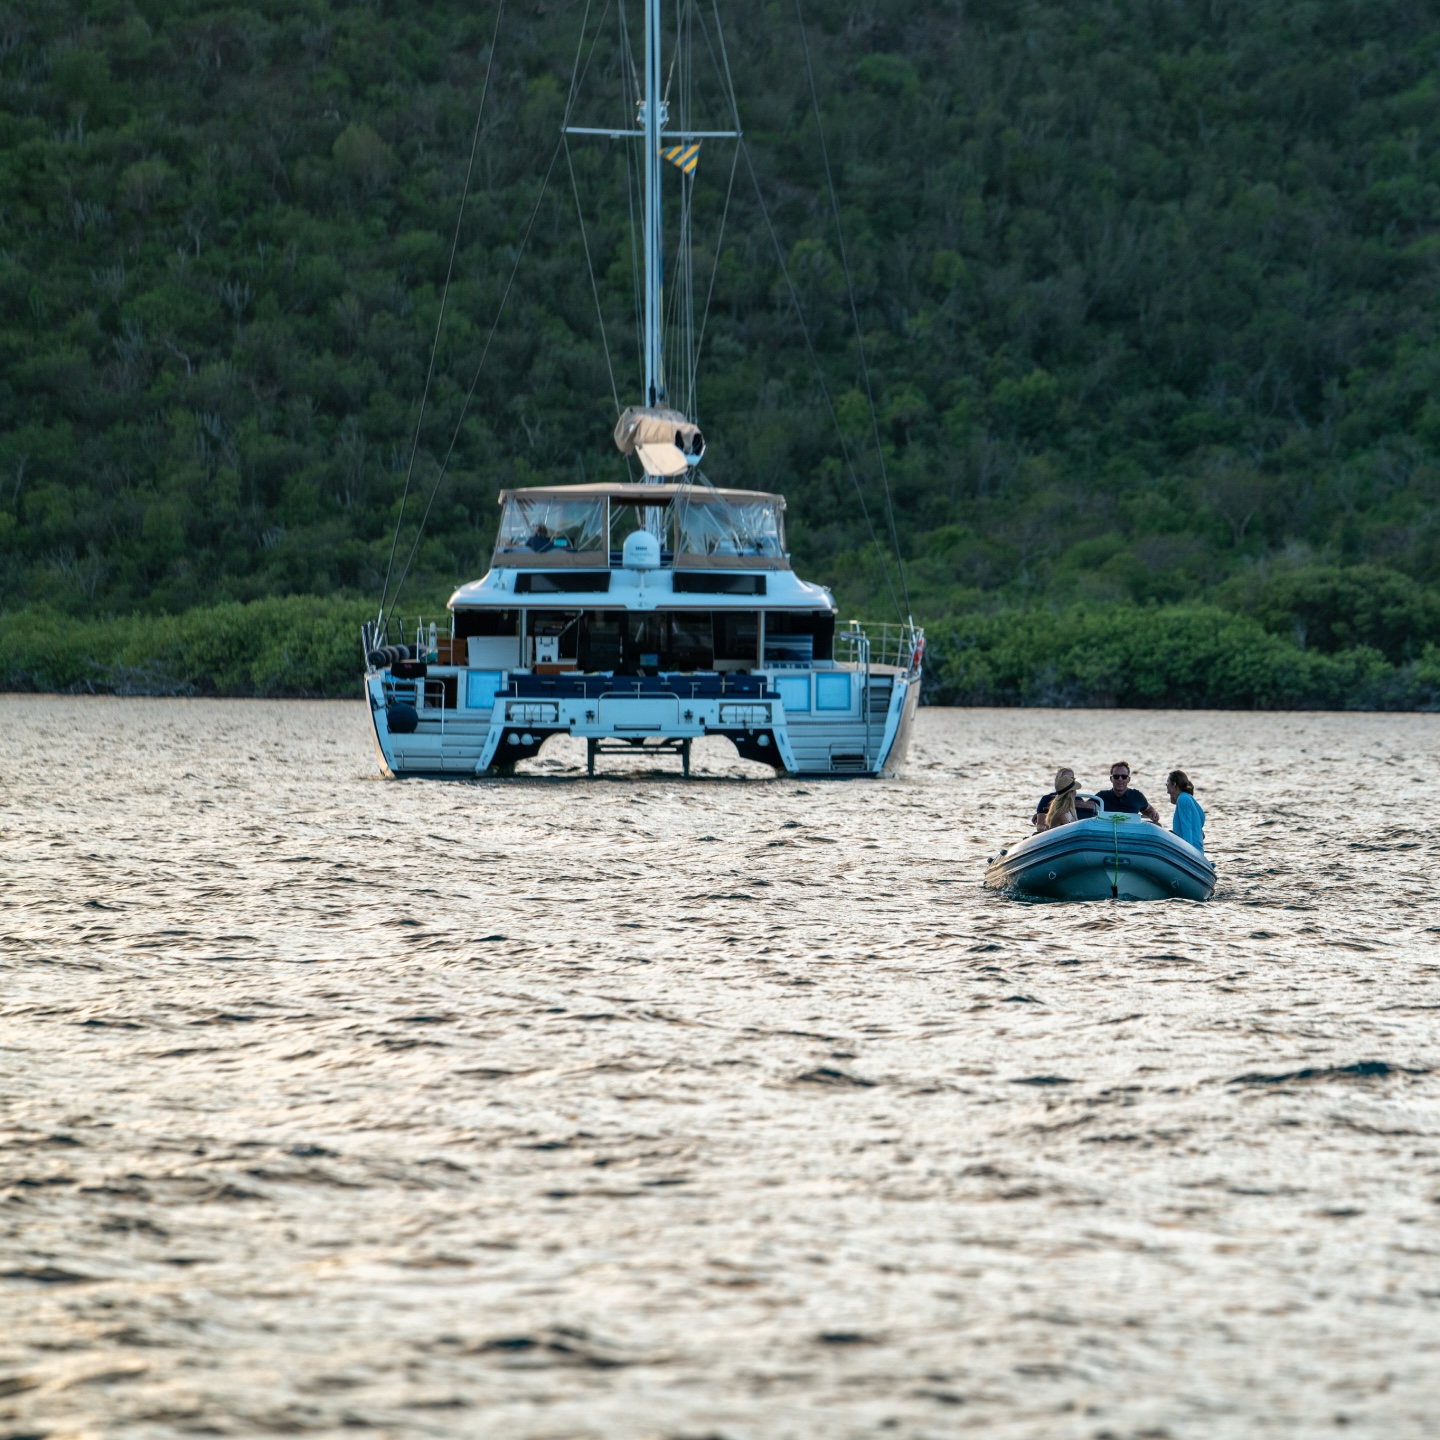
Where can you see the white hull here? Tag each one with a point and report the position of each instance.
(465, 728)
(1111, 857)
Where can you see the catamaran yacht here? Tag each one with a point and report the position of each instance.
(643, 615)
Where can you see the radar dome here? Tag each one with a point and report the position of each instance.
(642, 551)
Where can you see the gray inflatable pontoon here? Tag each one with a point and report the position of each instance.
(1113, 856)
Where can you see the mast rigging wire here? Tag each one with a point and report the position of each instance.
(824, 386)
(694, 13)
(470, 393)
(854, 309)
(577, 75)
(685, 349)
(675, 322)
(710, 293)
(800, 314)
(630, 87)
(585, 243)
(444, 298)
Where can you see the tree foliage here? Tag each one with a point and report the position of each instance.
(1148, 295)
(1115, 654)
(296, 645)
(1164, 656)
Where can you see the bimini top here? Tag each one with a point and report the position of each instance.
(643, 492)
(555, 527)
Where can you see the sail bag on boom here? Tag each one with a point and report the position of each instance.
(663, 441)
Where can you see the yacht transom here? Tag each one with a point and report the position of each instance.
(643, 617)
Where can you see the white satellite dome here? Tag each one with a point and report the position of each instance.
(642, 551)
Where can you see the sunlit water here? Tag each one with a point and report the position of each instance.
(734, 1107)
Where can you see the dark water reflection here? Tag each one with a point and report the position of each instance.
(730, 1108)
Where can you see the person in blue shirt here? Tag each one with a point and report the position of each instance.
(1189, 822)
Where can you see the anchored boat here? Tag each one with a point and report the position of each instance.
(643, 615)
(591, 625)
(1113, 856)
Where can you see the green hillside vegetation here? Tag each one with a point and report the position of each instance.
(1140, 656)
(1148, 293)
(296, 645)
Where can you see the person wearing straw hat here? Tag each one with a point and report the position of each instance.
(1061, 805)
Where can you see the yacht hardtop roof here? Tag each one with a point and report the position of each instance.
(641, 493)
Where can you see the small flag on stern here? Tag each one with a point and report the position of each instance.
(684, 157)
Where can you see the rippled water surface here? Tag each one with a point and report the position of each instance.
(735, 1107)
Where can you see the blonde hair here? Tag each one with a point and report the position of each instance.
(1064, 801)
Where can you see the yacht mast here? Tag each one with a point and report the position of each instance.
(666, 443)
(652, 115)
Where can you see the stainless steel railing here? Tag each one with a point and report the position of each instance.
(376, 633)
(879, 643)
(863, 643)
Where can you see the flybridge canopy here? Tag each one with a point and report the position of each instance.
(641, 493)
(587, 525)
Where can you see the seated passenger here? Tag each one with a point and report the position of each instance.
(1189, 821)
(1120, 797)
(1062, 809)
(1077, 809)
(540, 539)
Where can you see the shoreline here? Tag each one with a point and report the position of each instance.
(1117, 656)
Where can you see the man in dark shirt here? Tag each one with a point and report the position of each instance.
(1122, 798)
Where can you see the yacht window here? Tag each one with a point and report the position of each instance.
(486, 622)
(644, 644)
(481, 688)
(794, 691)
(530, 525)
(602, 640)
(799, 638)
(691, 641)
(737, 637)
(554, 636)
(832, 692)
(625, 520)
(717, 527)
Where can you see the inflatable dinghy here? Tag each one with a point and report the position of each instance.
(1113, 856)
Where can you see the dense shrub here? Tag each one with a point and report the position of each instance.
(1329, 609)
(1117, 655)
(299, 646)
(1153, 656)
